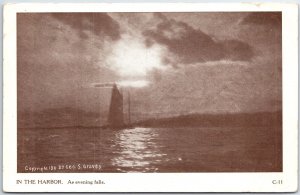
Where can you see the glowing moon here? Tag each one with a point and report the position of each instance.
(131, 58)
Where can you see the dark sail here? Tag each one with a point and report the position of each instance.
(115, 117)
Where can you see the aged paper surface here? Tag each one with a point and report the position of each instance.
(150, 97)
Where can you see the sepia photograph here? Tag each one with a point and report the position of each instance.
(149, 92)
(155, 97)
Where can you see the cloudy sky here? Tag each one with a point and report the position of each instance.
(172, 63)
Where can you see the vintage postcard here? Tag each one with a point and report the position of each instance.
(180, 97)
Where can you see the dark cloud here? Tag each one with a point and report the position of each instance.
(192, 45)
(264, 30)
(98, 23)
(237, 50)
(263, 18)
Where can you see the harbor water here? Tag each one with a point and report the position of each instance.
(140, 149)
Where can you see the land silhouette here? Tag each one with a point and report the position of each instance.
(71, 117)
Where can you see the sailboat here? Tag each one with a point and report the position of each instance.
(116, 115)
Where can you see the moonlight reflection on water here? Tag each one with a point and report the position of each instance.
(137, 150)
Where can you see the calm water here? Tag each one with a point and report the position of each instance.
(149, 150)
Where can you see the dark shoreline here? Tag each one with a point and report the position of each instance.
(258, 119)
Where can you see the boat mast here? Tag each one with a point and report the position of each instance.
(129, 117)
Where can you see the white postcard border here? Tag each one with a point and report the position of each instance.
(155, 182)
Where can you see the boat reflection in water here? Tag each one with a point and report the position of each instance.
(137, 150)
